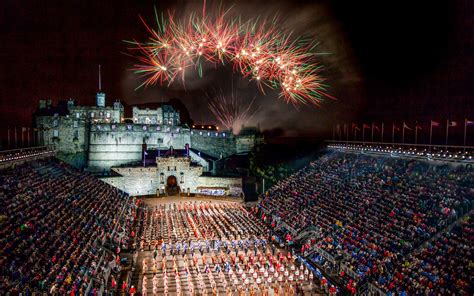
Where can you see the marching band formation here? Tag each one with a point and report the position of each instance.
(199, 248)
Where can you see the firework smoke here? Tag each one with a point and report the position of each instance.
(232, 111)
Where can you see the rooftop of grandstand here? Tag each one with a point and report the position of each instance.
(25, 153)
(430, 152)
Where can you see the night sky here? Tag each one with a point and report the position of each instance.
(384, 60)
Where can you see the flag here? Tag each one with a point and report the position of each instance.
(434, 123)
(468, 122)
(418, 127)
(395, 127)
(365, 126)
(452, 123)
(376, 128)
(406, 127)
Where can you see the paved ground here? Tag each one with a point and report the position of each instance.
(198, 270)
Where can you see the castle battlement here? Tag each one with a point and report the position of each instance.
(99, 138)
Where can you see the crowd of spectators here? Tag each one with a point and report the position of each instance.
(442, 267)
(370, 212)
(54, 223)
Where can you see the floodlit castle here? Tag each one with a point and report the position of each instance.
(138, 146)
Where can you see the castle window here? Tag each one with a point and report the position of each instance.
(55, 133)
(108, 114)
(76, 134)
(168, 168)
(92, 114)
(55, 123)
(162, 178)
(76, 124)
(78, 115)
(160, 140)
(181, 178)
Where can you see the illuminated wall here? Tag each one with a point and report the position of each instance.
(147, 181)
(120, 144)
(97, 138)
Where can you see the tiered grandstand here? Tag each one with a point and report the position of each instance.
(351, 222)
(57, 228)
(369, 220)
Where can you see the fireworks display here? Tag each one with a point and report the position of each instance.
(256, 49)
(231, 111)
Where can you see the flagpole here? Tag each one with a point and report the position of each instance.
(447, 132)
(355, 133)
(382, 134)
(431, 131)
(347, 134)
(22, 141)
(465, 129)
(403, 133)
(363, 133)
(372, 136)
(393, 132)
(28, 135)
(8, 137)
(334, 133)
(16, 139)
(345, 131)
(416, 132)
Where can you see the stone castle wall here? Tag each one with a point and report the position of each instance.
(224, 144)
(69, 136)
(147, 181)
(119, 144)
(100, 146)
(135, 180)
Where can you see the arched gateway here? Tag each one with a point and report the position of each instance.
(172, 187)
